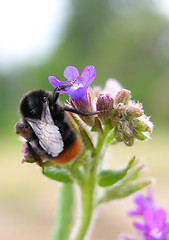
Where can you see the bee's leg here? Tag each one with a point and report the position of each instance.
(81, 113)
(62, 87)
(55, 95)
(35, 155)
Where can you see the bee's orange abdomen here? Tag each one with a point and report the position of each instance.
(71, 153)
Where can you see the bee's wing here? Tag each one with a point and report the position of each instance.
(49, 137)
(47, 132)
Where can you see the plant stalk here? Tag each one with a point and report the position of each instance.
(89, 192)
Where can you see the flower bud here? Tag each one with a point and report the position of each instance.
(142, 124)
(104, 102)
(135, 109)
(104, 105)
(27, 156)
(123, 96)
(127, 132)
(120, 111)
(118, 133)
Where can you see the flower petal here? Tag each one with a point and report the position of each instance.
(71, 73)
(78, 93)
(139, 200)
(148, 216)
(142, 204)
(139, 226)
(165, 231)
(134, 213)
(88, 75)
(55, 82)
(160, 218)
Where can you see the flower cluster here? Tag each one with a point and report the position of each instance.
(110, 108)
(113, 104)
(127, 117)
(155, 225)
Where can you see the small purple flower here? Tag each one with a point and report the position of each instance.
(78, 90)
(155, 225)
(143, 203)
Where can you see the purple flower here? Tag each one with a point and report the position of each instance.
(78, 90)
(142, 203)
(155, 225)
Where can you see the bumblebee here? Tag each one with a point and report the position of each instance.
(45, 126)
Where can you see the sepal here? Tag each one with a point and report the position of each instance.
(141, 136)
(97, 126)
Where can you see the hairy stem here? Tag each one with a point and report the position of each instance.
(88, 192)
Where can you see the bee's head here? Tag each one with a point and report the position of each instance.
(31, 105)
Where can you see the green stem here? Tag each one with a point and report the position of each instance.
(88, 192)
(87, 211)
(65, 212)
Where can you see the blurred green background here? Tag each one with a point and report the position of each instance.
(124, 39)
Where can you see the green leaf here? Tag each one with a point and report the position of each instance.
(87, 141)
(123, 190)
(110, 137)
(129, 184)
(60, 175)
(109, 177)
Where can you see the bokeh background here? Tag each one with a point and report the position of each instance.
(124, 39)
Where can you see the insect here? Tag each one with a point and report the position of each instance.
(46, 128)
